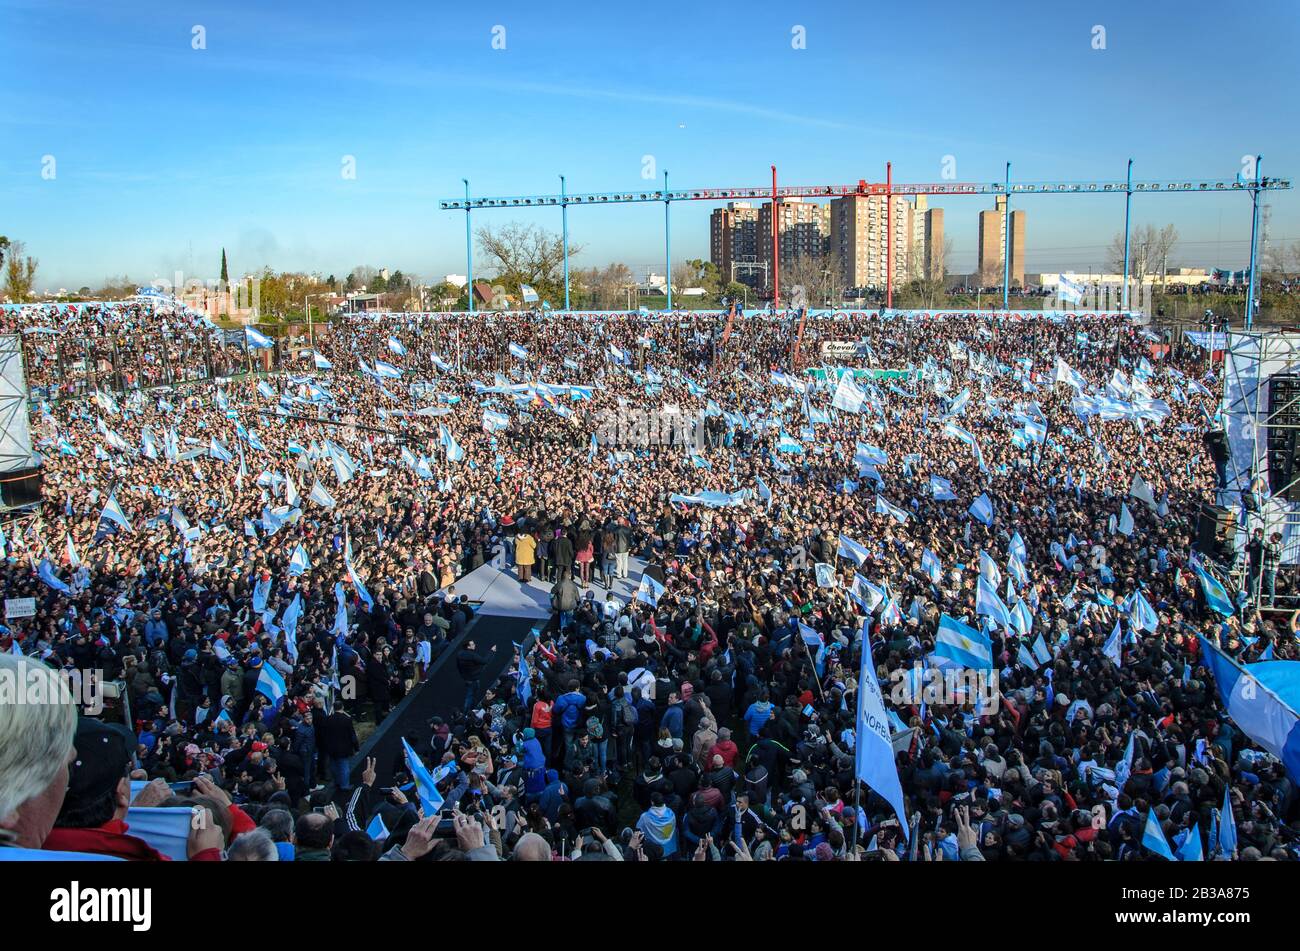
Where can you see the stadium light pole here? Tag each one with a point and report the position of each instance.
(668, 246)
(1254, 246)
(1006, 246)
(564, 236)
(469, 252)
(1128, 200)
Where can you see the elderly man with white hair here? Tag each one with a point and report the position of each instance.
(38, 718)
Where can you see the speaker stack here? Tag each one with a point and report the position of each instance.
(1282, 429)
(1216, 532)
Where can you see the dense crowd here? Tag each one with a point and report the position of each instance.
(269, 561)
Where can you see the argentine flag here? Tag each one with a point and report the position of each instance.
(1215, 595)
(1068, 290)
(963, 645)
(982, 509)
(529, 295)
(941, 490)
(321, 497)
(873, 752)
(395, 347)
(1154, 838)
(299, 563)
(113, 513)
(852, 549)
(1261, 699)
(321, 364)
(649, 591)
(430, 799)
(988, 604)
(893, 511)
(518, 352)
(271, 684)
(931, 566)
(256, 340)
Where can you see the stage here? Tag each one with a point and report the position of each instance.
(505, 614)
(503, 596)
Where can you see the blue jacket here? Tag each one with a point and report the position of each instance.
(534, 758)
(569, 708)
(672, 721)
(757, 715)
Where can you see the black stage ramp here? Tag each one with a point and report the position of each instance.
(441, 694)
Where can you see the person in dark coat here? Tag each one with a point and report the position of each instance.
(336, 741)
(470, 664)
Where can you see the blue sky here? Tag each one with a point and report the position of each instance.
(164, 153)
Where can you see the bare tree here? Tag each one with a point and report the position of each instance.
(606, 288)
(1149, 251)
(526, 254)
(817, 273)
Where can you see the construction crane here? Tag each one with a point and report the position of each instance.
(864, 189)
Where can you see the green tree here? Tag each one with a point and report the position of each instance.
(20, 273)
(225, 273)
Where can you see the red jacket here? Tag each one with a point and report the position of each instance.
(111, 839)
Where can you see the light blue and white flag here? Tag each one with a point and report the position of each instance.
(430, 799)
(1191, 849)
(649, 591)
(873, 751)
(320, 496)
(931, 565)
(529, 295)
(884, 507)
(1153, 837)
(376, 829)
(1113, 646)
(45, 571)
(518, 352)
(299, 563)
(257, 340)
(396, 347)
(851, 549)
(321, 364)
(1215, 594)
(963, 645)
(271, 684)
(113, 512)
(941, 490)
(982, 510)
(1261, 700)
(217, 451)
(989, 604)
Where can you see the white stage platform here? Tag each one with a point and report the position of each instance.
(503, 596)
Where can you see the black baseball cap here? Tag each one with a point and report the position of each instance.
(103, 757)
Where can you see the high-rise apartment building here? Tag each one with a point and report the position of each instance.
(734, 239)
(803, 229)
(859, 239)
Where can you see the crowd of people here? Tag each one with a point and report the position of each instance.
(269, 561)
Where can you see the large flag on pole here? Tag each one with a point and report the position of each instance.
(113, 512)
(1255, 697)
(873, 749)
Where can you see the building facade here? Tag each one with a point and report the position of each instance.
(734, 240)
(992, 241)
(859, 239)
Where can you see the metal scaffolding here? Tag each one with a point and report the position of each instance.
(1253, 419)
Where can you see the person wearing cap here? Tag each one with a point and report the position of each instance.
(93, 815)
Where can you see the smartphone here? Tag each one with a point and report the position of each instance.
(187, 786)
